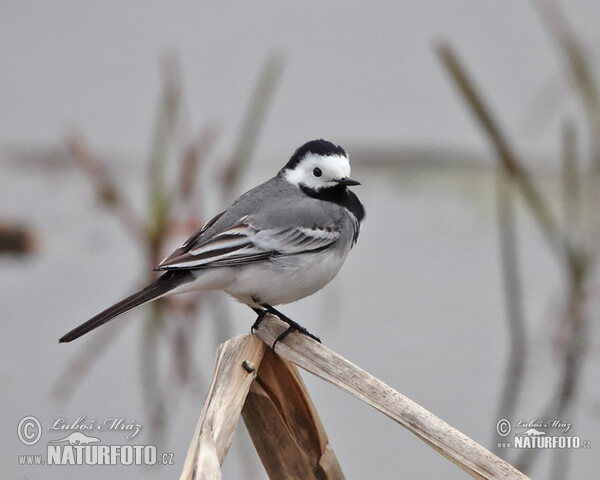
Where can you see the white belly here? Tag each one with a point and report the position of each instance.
(285, 279)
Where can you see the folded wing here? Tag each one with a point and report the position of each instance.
(243, 243)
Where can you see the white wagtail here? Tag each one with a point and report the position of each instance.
(279, 242)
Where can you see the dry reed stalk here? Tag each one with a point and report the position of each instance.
(328, 365)
(283, 422)
(236, 367)
(285, 427)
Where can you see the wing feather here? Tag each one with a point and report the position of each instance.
(190, 241)
(244, 243)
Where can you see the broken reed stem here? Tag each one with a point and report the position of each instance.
(285, 427)
(283, 422)
(328, 365)
(237, 362)
(281, 419)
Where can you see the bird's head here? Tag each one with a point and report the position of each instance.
(319, 165)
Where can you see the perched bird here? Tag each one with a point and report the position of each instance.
(279, 242)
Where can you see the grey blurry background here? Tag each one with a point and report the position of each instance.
(420, 301)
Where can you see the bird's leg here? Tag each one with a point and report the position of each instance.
(261, 314)
(293, 326)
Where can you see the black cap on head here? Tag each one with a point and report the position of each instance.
(316, 147)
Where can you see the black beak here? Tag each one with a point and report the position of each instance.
(348, 182)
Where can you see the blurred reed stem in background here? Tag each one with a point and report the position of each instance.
(570, 242)
(252, 125)
(175, 165)
(513, 294)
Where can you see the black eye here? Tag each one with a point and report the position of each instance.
(317, 172)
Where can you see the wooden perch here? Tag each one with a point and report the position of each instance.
(236, 366)
(328, 365)
(283, 423)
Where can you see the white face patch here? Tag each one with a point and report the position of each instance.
(333, 168)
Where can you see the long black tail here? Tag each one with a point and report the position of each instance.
(162, 285)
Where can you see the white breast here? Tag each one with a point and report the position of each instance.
(286, 279)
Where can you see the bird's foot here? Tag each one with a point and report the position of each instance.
(293, 326)
(261, 315)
